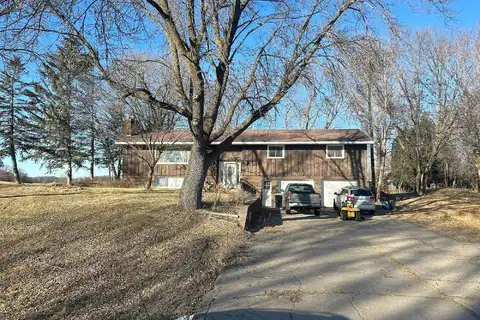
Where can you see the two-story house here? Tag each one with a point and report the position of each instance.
(266, 160)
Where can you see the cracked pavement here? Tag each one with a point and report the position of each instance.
(309, 267)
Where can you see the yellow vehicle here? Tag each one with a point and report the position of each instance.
(349, 211)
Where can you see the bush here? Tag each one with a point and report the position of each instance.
(106, 182)
(6, 174)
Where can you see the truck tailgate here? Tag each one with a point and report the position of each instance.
(305, 198)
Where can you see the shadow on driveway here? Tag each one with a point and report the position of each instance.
(266, 314)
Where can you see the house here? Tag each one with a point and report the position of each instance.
(266, 160)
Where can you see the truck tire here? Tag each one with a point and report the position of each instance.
(343, 215)
(335, 206)
(316, 212)
(358, 216)
(288, 211)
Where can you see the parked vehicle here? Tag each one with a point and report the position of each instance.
(301, 196)
(362, 197)
(348, 211)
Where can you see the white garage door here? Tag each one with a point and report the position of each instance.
(330, 187)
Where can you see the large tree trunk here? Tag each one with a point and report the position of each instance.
(446, 175)
(381, 173)
(13, 154)
(118, 175)
(418, 182)
(424, 183)
(92, 158)
(16, 173)
(69, 174)
(191, 193)
(477, 164)
(148, 184)
(478, 180)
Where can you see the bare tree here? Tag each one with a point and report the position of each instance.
(111, 114)
(431, 83)
(152, 129)
(470, 128)
(325, 99)
(227, 58)
(370, 78)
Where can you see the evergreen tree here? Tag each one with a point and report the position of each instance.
(109, 127)
(13, 112)
(62, 139)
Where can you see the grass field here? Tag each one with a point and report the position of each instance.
(99, 253)
(454, 212)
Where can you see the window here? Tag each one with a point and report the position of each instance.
(275, 152)
(301, 188)
(361, 192)
(174, 156)
(169, 182)
(335, 152)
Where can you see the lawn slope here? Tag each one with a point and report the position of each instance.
(453, 212)
(106, 253)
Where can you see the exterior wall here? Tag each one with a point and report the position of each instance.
(134, 169)
(300, 161)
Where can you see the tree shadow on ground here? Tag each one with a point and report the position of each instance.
(268, 314)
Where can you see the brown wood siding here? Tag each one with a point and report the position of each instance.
(300, 161)
(170, 170)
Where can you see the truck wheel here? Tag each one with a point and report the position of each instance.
(288, 211)
(358, 216)
(316, 212)
(343, 215)
(335, 206)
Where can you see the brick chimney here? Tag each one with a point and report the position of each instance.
(130, 127)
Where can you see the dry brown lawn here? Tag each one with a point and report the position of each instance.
(454, 212)
(104, 253)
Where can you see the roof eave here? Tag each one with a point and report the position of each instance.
(338, 142)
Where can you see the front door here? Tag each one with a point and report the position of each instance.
(230, 174)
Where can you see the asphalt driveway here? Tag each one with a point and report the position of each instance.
(310, 267)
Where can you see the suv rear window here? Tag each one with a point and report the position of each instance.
(361, 192)
(301, 188)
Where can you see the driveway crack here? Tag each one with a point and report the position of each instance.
(405, 269)
(352, 302)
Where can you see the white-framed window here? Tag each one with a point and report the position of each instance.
(168, 182)
(174, 157)
(335, 151)
(275, 152)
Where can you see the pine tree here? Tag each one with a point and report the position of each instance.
(89, 86)
(109, 127)
(62, 140)
(13, 112)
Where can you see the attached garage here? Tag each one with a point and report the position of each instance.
(332, 186)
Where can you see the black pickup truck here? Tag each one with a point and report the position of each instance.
(301, 196)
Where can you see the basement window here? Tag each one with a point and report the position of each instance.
(275, 152)
(168, 182)
(335, 152)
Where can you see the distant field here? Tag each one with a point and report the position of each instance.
(100, 253)
(454, 212)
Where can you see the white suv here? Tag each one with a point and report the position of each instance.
(362, 198)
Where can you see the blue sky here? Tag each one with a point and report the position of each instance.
(465, 16)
